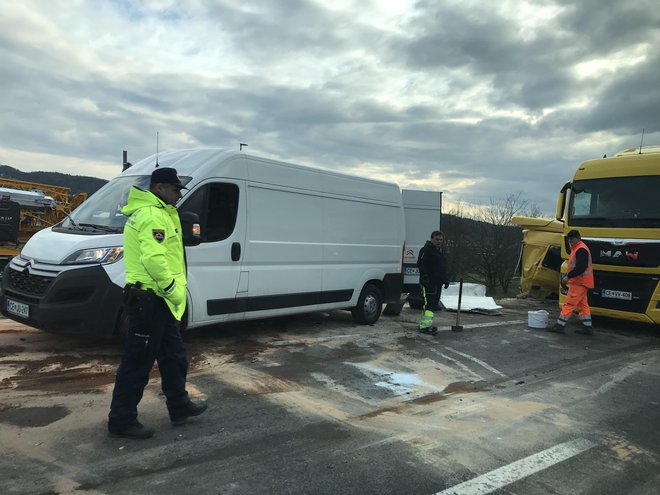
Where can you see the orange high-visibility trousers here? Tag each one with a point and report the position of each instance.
(576, 299)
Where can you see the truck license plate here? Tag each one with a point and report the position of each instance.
(17, 308)
(617, 294)
(411, 270)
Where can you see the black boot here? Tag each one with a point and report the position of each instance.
(429, 330)
(558, 328)
(585, 330)
(179, 415)
(136, 430)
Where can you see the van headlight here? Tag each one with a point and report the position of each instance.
(97, 255)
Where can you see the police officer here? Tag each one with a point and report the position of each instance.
(432, 276)
(154, 301)
(579, 279)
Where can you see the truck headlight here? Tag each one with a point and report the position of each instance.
(97, 255)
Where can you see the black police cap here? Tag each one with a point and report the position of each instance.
(166, 175)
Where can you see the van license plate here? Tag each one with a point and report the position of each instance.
(17, 308)
(411, 270)
(616, 294)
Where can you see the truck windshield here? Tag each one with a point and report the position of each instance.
(102, 211)
(626, 202)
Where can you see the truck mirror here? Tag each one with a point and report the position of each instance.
(192, 232)
(561, 201)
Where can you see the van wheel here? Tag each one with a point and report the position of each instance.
(369, 306)
(393, 309)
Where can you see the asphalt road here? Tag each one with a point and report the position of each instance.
(315, 404)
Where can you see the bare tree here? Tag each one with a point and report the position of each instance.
(497, 242)
(458, 242)
(534, 211)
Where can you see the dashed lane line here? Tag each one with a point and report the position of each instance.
(501, 477)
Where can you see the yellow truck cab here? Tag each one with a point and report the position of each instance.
(615, 204)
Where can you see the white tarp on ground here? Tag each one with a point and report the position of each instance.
(474, 299)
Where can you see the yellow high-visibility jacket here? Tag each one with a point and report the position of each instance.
(153, 248)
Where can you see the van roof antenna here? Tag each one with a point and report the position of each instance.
(641, 142)
(240, 146)
(156, 149)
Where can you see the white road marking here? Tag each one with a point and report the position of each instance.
(501, 477)
(478, 361)
(617, 378)
(457, 363)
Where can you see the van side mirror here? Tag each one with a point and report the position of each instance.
(192, 232)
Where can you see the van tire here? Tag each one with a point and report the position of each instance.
(393, 309)
(369, 306)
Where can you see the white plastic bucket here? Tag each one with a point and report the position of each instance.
(537, 319)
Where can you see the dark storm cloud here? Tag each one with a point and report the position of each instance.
(605, 26)
(280, 28)
(528, 72)
(630, 103)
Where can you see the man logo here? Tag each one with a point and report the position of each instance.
(609, 253)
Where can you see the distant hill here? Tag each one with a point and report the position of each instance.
(77, 183)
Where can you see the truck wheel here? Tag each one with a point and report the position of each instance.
(369, 306)
(415, 302)
(393, 309)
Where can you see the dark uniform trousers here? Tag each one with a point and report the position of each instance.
(430, 297)
(153, 335)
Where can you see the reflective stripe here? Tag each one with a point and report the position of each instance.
(586, 278)
(170, 288)
(426, 321)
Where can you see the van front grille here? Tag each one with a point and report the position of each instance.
(25, 282)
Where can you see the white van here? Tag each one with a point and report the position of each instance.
(277, 239)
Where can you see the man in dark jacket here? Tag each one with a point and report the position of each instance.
(432, 276)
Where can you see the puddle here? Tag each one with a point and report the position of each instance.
(63, 373)
(400, 383)
(31, 417)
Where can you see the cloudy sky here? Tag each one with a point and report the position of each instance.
(474, 98)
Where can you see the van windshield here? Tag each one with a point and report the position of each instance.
(102, 211)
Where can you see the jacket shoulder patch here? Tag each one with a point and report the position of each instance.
(159, 234)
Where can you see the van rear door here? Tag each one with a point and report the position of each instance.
(423, 216)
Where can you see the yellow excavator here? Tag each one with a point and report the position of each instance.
(28, 207)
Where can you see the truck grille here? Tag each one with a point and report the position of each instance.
(638, 253)
(26, 283)
(641, 288)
